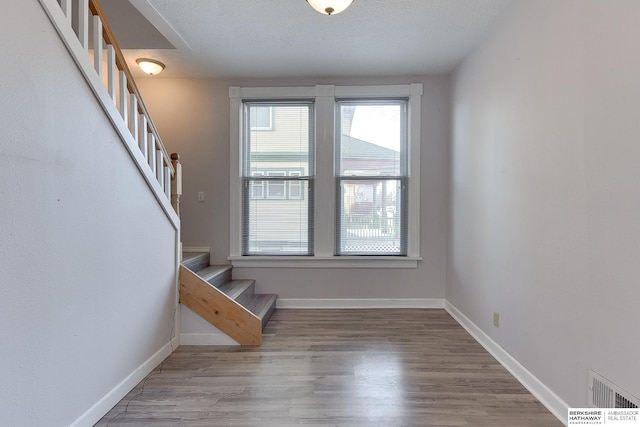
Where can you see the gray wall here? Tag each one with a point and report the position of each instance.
(86, 254)
(193, 118)
(545, 197)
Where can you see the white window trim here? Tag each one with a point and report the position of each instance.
(325, 201)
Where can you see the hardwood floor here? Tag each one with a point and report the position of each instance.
(353, 368)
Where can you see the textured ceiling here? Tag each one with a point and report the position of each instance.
(287, 38)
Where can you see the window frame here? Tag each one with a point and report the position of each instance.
(274, 180)
(401, 175)
(324, 221)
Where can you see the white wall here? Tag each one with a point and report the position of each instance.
(545, 199)
(86, 254)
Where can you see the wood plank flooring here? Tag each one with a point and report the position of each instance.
(319, 368)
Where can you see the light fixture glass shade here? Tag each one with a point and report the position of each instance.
(150, 66)
(329, 7)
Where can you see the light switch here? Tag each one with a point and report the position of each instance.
(201, 196)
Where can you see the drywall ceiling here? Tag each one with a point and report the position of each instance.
(287, 38)
(132, 29)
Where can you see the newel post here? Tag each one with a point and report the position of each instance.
(176, 183)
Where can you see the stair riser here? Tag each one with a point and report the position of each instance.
(267, 316)
(197, 263)
(262, 305)
(235, 288)
(246, 296)
(218, 280)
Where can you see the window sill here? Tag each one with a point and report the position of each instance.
(325, 262)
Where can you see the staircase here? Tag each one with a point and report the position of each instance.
(230, 305)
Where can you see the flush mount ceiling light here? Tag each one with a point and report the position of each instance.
(150, 66)
(330, 7)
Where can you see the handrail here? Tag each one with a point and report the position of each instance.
(114, 87)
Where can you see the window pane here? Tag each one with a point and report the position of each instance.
(278, 227)
(278, 211)
(371, 220)
(262, 118)
(287, 146)
(371, 171)
(372, 138)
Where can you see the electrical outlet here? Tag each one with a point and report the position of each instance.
(496, 319)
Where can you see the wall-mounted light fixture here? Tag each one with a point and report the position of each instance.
(329, 7)
(150, 66)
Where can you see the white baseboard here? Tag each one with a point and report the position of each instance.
(104, 405)
(360, 303)
(537, 388)
(196, 249)
(207, 339)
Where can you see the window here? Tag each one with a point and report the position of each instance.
(336, 181)
(275, 166)
(371, 170)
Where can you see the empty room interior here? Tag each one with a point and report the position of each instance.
(321, 212)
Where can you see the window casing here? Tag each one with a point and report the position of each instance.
(322, 188)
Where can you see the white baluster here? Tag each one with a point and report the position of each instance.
(124, 95)
(151, 158)
(143, 140)
(65, 5)
(167, 182)
(159, 171)
(83, 23)
(133, 116)
(111, 72)
(97, 45)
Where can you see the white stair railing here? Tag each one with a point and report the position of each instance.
(85, 30)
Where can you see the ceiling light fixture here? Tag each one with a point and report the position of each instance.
(150, 66)
(330, 7)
